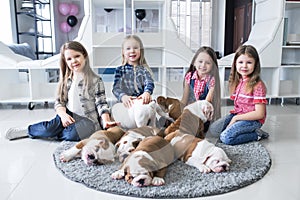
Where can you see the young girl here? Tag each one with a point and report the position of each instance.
(248, 92)
(202, 81)
(80, 103)
(133, 79)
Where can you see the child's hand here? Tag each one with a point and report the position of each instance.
(66, 119)
(146, 97)
(127, 101)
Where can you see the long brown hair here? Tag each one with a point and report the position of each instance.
(216, 101)
(65, 71)
(254, 78)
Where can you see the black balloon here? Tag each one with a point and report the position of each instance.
(140, 14)
(108, 9)
(72, 20)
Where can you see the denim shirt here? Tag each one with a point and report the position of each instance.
(126, 75)
(93, 102)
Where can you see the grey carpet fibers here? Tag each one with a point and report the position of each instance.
(250, 162)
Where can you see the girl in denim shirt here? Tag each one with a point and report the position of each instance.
(133, 79)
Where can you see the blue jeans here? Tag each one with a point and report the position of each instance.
(82, 128)
(240, 132)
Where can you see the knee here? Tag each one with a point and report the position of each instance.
(225, 139)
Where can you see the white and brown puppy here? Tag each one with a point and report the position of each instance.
(147, 164)
(203, 112)
(171, 106)
(99, 148)
(199, 153)
(130, 140)
(138, 115)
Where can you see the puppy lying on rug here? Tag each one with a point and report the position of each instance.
(138, 114)
(147, 164)
(130, 140)
(99, 148)
(199, 153)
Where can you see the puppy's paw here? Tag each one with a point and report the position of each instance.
(69, 154)
(157, 181)
(204, 169)
(118, 174)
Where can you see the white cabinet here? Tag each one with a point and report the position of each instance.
(289, 71)
(28, 85)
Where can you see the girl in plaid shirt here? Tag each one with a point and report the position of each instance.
(80, 103)
(202, 81)
(248, 92)
(133, 79)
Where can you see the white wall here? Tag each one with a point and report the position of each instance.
(6, 36)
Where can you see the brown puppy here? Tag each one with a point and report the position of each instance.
(99, 148)
(170, 105)
(147, 164)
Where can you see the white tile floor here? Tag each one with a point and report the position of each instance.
(27, 170)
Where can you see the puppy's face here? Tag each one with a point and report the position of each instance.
(138, 169)
(98, 151)
(208, 110)
(218, 161)
(127, 144)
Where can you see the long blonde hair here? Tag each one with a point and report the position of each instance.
(66, 72)
(142, 60)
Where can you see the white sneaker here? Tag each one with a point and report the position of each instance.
(16, 133)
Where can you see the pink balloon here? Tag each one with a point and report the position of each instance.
(64, 8)
(64, 27)
(73, 9)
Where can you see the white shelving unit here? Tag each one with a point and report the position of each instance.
(290, 69)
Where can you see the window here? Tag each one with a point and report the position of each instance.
(192, 19)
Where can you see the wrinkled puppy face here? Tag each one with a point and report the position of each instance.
(98, 151)
(127, 144)
(138, 169)
(208, 110)
(218, 162)
(161, 101)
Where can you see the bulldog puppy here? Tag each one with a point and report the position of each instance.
(147, 164)
(199, 153)
(198, 112)
(138, 114)
(130, 140)
(171, 106)
(99, 148)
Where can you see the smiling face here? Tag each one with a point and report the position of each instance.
(245, 65)
(203, 64)
(131, 51)
(75, 60)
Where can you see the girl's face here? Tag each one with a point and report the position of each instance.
(75, 60)
(245, 65)
(203, 63)
(131, 51)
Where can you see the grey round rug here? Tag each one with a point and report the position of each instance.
(250, 162)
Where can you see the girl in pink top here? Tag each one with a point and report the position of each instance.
(248, 92)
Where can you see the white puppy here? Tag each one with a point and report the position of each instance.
(138, 114)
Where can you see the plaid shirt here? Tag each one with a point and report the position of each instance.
(245, 102)
(93, 102)
(132, 81)
(199, 84)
